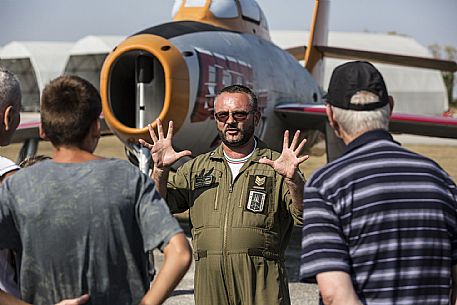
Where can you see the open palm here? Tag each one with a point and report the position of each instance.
(289, 160)
(162, 150)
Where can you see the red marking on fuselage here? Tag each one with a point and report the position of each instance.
(216, 72)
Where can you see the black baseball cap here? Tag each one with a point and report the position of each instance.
(349, 78)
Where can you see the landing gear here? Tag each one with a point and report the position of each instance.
(28, 149)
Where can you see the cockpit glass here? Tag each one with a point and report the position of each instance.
(250, 9)
(176, 7)
(195, 3)
(224, 8)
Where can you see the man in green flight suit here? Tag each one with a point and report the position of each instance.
(242, 204)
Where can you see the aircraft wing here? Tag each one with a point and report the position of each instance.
(301, 116)
(379, 57)
(314, 117)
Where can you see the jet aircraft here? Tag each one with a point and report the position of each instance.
(173, 71)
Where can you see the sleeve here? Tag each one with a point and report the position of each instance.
(9, 235)
(179, 190)
(297, 214)
(156, 224)
(324, 247)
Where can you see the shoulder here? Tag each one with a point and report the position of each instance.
(113, 164)
(200, 161)
(264, 151)
(122, 169)
(118, 163)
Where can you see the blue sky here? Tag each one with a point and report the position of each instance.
(427, 21)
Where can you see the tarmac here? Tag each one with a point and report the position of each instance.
(422, 140)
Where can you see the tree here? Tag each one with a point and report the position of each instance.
(449, 53)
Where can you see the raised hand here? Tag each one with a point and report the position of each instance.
(161, 149)
(289, 160)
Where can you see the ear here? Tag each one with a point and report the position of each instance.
(43, 133)
(391, 103)
(257, 116)
(330, 115)
(94, 135)
(332, 121)
(8, 117)
(95, 129)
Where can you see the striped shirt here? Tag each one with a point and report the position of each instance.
(386, 216)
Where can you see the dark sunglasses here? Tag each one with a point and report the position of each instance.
(222, 116)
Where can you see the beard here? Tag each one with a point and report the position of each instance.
(243, 136)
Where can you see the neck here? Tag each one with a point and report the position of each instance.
(239, 152)
(72, 154)
(349, 138)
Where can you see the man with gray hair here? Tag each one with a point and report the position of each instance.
(10, 106)
(380, 222)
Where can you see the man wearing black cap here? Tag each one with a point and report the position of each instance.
(380, 222)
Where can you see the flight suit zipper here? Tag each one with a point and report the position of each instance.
(224, 232)
(217, 197)
(224, 245)
(231, 184)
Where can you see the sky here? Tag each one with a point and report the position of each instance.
(428, 21)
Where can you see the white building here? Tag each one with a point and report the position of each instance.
(87, 56)
(35, 64)
(415, 90)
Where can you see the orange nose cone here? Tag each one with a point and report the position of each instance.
(167, 95)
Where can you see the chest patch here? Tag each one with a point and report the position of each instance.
(258, 195)
(204, 179)
(256, 201)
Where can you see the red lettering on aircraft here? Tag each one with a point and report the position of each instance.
(216, 72)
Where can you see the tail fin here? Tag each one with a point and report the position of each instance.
(318, 36)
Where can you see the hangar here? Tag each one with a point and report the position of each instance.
(35, 64)
(87, 55)
(423, 86)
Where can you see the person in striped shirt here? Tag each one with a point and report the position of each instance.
(380, 222)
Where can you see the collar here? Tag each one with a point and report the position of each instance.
(369, 136)
(241, 160)
(259, 152)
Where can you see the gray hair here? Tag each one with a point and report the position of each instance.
(354, 122)
(10, 89)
